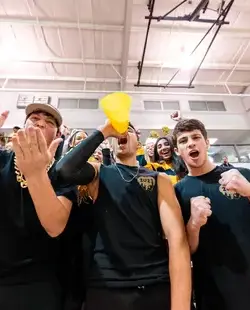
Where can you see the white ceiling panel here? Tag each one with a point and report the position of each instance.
(92, 43)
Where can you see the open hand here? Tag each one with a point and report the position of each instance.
(3, 118)
(33, 156)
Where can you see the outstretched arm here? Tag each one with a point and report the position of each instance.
(74, 168)
(179, 255)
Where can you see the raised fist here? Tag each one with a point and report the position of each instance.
(200, 211)
(233, 181)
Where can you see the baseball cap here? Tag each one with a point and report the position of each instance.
(43, 107)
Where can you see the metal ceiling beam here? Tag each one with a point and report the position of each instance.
(246, 90)
(237, 6)
(141, 92)
(218, 22)
(231, 32)
(131, 63)
(112, 80)
(126, 42)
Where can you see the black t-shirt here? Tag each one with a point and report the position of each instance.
(127, 241)
(27, 252)
(222, 261)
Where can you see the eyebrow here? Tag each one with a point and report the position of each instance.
(37, 113)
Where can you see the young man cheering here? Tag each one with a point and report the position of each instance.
(216, 208)
(31, 199)
(134, 209)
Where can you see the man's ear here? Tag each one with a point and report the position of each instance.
(208, 144)
(58, 134)
(139, 145)
(176, 151)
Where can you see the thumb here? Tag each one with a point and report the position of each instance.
(5, 114)
(54, 145)
(3, 117)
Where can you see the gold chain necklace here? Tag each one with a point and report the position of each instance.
(20, 177)
(133, 175)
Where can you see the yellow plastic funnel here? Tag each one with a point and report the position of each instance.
(117, 106)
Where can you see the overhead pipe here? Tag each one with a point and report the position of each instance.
(236, 32)
(186, 18)
(100, 93)
(164, 86)
(131, 63)
(110, 80)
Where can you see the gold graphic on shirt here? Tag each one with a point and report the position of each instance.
(147, 183)
(229, 194)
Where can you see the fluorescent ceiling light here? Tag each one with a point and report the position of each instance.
(212, 140)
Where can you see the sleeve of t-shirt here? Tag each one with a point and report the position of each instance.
(63, 189)
(70, 192)
(4, 157)
(245, 172)
(185, 208)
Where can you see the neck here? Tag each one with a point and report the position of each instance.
(130, 161)
(205, 168)
(151, 158)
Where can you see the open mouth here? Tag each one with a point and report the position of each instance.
(165, 153)
(194, 154)
(122, 141)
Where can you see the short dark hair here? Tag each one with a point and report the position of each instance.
(131, 125)
(188, 125)
(16, 128)
(135, 130)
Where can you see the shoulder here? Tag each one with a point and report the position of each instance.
(164, 181)
(104, 172)
(6, 153)
(5, 157)
(101, 167)
(186, 188)
(181, 184)
(244, 171)
(179, 187)
(61, 188)
(222, 168)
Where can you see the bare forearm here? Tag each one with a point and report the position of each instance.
(180, 276)
(51, 212)
(192, 236)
